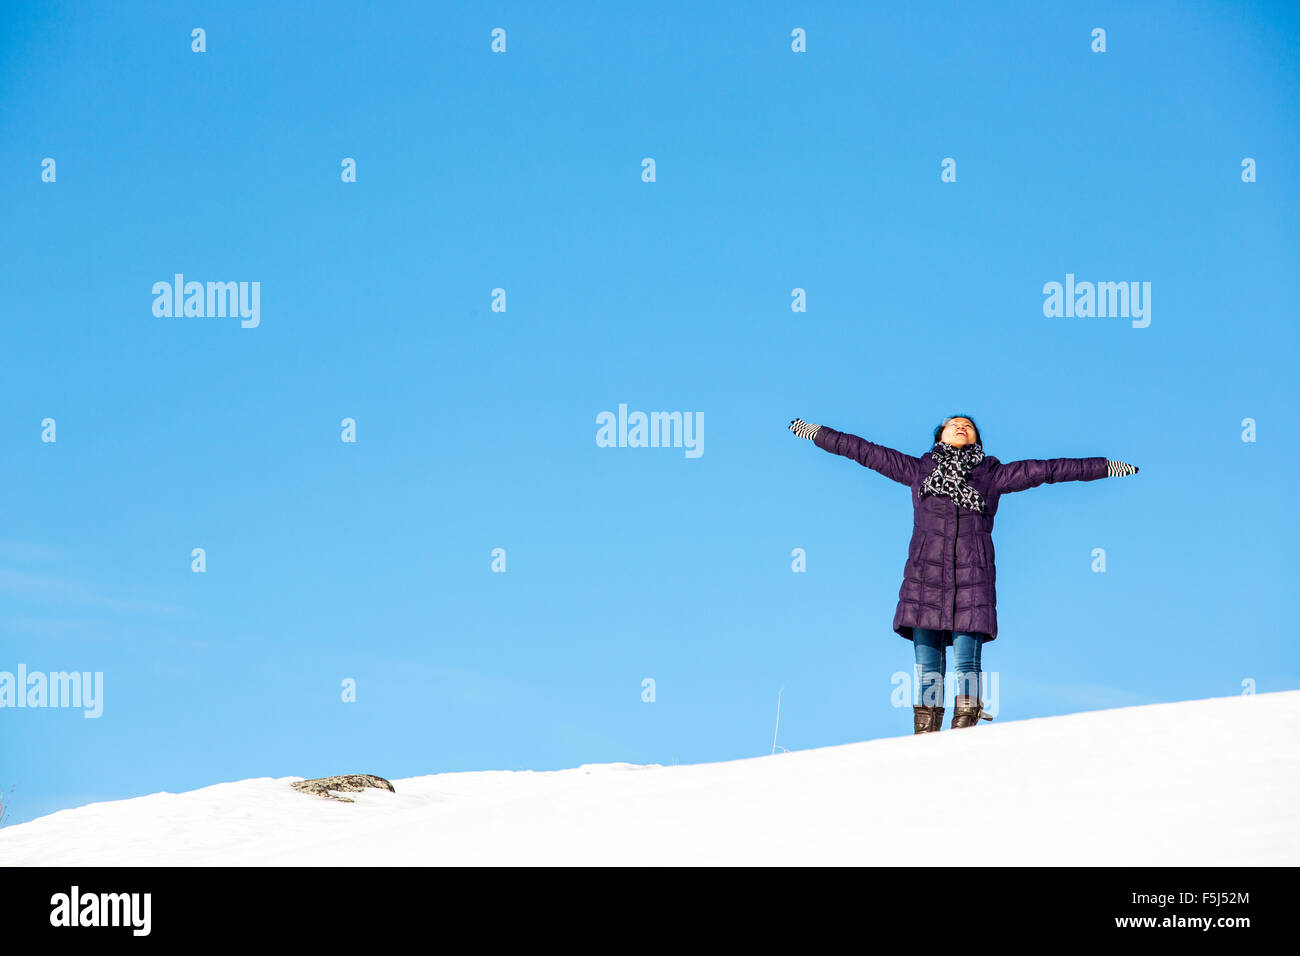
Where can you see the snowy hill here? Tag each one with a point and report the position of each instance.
(1206, 782)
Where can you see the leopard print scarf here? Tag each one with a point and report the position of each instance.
(948, 478)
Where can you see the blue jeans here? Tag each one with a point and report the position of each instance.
(931, 663)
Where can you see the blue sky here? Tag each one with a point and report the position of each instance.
(477, 429)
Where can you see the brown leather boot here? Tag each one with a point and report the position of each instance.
(926, 720)
(968, 711)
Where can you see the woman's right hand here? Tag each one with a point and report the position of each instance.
(803, 429)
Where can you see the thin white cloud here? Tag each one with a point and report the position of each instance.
(55, 589)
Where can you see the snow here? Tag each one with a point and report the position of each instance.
(1205, 782)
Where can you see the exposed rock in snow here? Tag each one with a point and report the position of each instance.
(348, 783)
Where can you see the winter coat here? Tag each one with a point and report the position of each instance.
(949, 578)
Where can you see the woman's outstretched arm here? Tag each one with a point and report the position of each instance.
(890, 463)
(1032, 472)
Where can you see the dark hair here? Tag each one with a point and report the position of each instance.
(938, 429)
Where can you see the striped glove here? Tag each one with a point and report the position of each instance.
(803, 429)
(1118, 469)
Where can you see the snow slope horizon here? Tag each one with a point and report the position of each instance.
(1205, 782)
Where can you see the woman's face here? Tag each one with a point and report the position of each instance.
(958, 432)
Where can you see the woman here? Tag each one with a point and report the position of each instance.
(948, 596)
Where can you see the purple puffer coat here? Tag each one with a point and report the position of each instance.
(949, 579)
